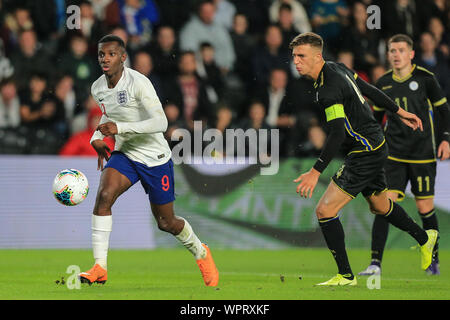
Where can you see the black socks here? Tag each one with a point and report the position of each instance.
(333, 233)
(380, 231)
(399, 218)
(334, 237)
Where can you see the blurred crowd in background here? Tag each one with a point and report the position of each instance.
(224, 62)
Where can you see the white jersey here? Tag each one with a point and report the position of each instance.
(137, 111)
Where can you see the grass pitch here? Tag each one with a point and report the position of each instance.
(245, 275)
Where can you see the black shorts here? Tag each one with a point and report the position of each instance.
(421, 175)
(363, 172)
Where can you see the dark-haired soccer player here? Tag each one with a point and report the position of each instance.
(133, 114)
(412, 154)
(339, 92)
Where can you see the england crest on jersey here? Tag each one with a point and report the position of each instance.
(122, 97)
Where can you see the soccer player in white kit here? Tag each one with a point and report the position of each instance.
(133, 114)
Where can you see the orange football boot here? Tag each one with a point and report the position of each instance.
(96, 274)
(208, 269)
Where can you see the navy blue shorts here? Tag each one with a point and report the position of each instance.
(158, 182)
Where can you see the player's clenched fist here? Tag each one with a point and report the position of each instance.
(108, 128)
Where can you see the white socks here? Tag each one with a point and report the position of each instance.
(102, 226)
(101, 229)
(188, 238)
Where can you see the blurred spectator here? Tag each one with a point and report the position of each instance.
(312, 147)
(61, 122)
(436, 28)
(269, 56)
(187, 91)
(9, 104)
(274, 98)
(80, 66)
(224, 118)
(401, 16)
(279, 110)
(202, 28)
(363, 43)
(112, 15)
(286, 24)
(440, 9)
(79, 143)
(347, 58)
(327, 18)
(244, 45)
(122, 34)
(377, 72)
(300, 18)
(317, 137)
(433, 60)
(210, 73)
(174, 122)
(66, 95)
(91, 28)
(46, 16)
(256, 117)
(6, 68)
(29, 58)
(225, 11)
(143, 63)
(78, 122)
(224, 121)
(165, 52)
(138, 18)
(15, 22)
(174, 13)
(60, 21)
(301, 104)
(39, 110)
(256, 12)
(100, 8)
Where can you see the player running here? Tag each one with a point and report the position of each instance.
(133, 114)
(339, 92)
(412, 154)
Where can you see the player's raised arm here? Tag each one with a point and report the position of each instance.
(378, 112)
(376, 95)
(383, 101)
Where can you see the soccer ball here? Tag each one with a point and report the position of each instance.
(70, 187)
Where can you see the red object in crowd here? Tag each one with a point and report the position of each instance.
(79, 143)
(363, 76)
